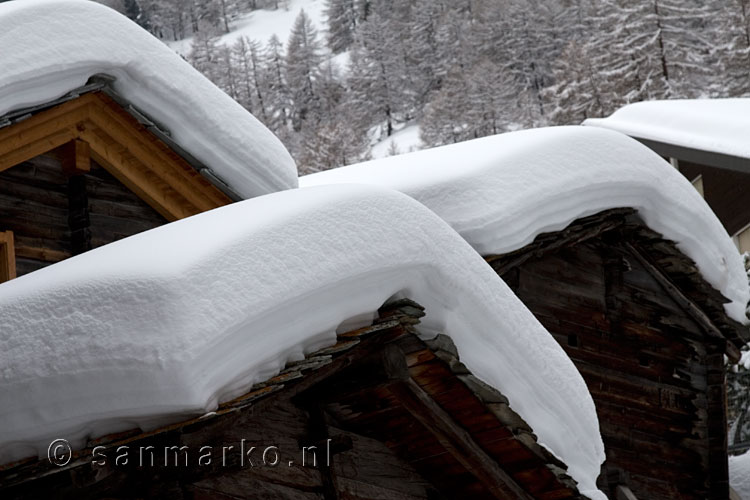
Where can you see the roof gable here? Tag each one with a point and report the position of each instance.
(95, 125)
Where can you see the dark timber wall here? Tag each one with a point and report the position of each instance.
(656, 378)
(54, 216)
(727, 192)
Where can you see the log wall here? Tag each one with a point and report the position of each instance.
(654, 376)
(725, 192)
(53, 216)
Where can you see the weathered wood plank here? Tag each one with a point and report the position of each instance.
(456, 440)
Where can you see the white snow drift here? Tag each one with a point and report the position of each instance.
(715, 125)
(49, 47)
(169, 322)
(739, 475)
(500, 192)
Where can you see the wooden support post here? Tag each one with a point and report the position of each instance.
(78, 215)
(75, 157)
(319, 436)
(7, 257)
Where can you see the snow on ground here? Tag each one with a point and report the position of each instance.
(261, 24)
(739, 475)
(715, 125)
(50, 47)
(500, 192)
(167, 323)
(406, 140)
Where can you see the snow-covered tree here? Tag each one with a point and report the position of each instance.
(732, 48)
(342, 21)
(302, 63)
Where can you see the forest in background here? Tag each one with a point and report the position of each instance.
(461, 69)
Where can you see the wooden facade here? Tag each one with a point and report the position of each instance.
(727, 192)
(649, 337)
(724, 181)
(84, 173)
(392, 416)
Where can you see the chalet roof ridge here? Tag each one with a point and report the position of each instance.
(228, 298)
(500, 192)
(205, 125)
(706, 131)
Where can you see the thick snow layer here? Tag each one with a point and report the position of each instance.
(171, 321)
(262, 24)
(500, 192)
(49, 47)
(739, 475)
(715, 125)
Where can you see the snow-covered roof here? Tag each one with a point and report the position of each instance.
(715, 125)
(50, 47)
(170, 321)
(500, 192)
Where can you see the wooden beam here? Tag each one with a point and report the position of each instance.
(42, 132)
(43, 254)
(695, 312)
(136, 176)
(456, 440)
(164, 162)
(622, 492)
(94, 126)
(75, 157)
(7, 257)
(27, 151)
(386, 368)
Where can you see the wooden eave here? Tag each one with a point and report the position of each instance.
(95, 125)
(456, 421)
(677, 273)
(697, 156)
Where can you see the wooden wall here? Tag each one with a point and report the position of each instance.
(365, 469)
(53, 216)
(725, 191)
(650, 369)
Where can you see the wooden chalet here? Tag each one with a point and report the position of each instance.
(391, 417)
(649, 336)
(86, 170)
(723, 181)
(698, 137)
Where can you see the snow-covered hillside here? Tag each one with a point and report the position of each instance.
(262, 24)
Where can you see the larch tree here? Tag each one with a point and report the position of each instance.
(302, 63)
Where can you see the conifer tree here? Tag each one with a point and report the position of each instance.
(302, 62)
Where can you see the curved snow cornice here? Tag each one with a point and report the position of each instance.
(715, 125)
(500, 192)
(50, 47)
(170, 321)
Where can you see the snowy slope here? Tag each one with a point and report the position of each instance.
(141, 331)
(500, 192)
(406, 140)
(739, 475)
(51, 47)
(715, 125)
(261, 24)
